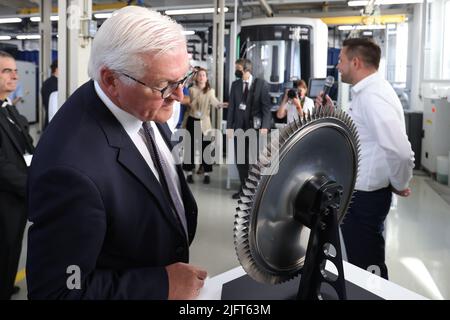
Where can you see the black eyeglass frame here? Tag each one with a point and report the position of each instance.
(167, 91)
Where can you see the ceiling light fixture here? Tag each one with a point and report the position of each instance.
(102, 15)
(363, 3)
(10, 20)
(5, 38)
(191, 11)
(28, 37)
(38, 19)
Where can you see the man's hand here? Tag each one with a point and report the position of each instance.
(402, 193)
(230, 133)
(319, 101)
(263, 130)
(185, 281)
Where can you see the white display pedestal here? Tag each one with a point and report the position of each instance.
(387, 290)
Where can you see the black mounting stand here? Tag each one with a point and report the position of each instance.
(317, 207)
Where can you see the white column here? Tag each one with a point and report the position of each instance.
(74, 45)
(415, 58)
(218, 57)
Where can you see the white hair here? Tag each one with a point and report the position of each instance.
(127, 34)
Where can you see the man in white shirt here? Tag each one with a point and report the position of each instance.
(386, 159)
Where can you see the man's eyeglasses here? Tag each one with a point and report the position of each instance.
(9, 71)
(167, 91)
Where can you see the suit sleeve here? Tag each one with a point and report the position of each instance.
(265, 106)
(231, 107)
(11, 178)
(69, 227)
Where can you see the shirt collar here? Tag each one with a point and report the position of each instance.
(249, 80)
(5, 102)
(374, 77)
(130, 123)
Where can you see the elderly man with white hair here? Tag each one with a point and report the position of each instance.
(112, 214)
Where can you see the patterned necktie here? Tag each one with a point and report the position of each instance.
(164, 176)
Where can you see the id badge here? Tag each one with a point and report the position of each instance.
(242, 106)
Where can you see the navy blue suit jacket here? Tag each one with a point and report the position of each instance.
(95, 204)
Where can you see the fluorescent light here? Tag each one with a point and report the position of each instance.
(10, 20)
(5, 38)
(38, 19)
(28, 37)
(363, 3)
(346, 28)
(104, 15)
(367, 33)
(191, 11)
(189, 32)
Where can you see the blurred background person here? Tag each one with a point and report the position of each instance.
(50, 85)
(248, 109)
(16, 146)
(295, 102)
(202, 97)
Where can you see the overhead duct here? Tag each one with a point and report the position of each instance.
(266, 7)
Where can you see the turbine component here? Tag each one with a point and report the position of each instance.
(270, 234)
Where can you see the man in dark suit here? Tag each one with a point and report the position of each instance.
(248, 109)
(112, 214)
(15, 145)
(50, 85)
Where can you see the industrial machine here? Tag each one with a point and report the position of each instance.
(283, 49)
(436, 123)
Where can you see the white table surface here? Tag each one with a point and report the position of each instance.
(387, 290)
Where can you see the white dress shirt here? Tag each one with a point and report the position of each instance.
(133, 127)
(386, 156)
(292, 112)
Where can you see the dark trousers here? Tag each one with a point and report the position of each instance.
(242, 167)
(188, 162)
(12, 226)
(248, 150)
(363, 228)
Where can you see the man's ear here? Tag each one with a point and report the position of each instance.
(357, 62)
(108, 81)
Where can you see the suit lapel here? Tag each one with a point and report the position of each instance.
(18, 120)
(129, 156)
(4, 123)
